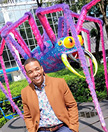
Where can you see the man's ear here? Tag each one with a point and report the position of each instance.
(27, 74)
(42, 69)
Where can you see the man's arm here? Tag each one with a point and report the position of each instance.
(27, 115)
(72, 108)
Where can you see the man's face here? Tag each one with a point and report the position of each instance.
(35, 72)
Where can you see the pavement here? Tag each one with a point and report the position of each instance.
(88, 119)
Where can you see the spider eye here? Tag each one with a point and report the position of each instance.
(60, 43)
(81, 40)
(69, 42)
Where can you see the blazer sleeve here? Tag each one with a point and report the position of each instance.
(71, 107)
(27, 115)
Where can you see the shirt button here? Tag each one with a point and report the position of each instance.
(37, 122)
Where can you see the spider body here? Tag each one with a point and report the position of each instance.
(50, 59)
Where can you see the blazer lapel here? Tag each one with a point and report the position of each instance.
(33, 96)
(50, 91)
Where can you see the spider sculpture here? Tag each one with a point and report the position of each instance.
(55, 53)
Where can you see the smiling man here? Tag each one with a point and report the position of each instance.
(48, 102)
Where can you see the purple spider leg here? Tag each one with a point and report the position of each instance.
(66, 29)
(48, 29)
(40, 12)
(3, 66)
(11, 101)
(20, 40)
(70, 22)
(60, 27)
(4, 71)
(12, 27)
(3, 40)
(18, 47)
(45, 36)
(4, 27)
(21, 51)
(16, 58)
(104, 55)
(35, 31)
(6, 78)
(89, 48)
(84, 13)
(89, 18)
(79, 25)
(63, 29)
(2, 46)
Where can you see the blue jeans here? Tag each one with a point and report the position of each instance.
(61, 129)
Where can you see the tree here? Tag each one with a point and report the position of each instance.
(3, 1)
(103, 5)
(96, 11)
(96, 33)
(39, 3)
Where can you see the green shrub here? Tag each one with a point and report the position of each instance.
(2, 121)
(79, 86)
(15, 88)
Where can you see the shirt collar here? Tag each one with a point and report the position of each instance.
(42, 86)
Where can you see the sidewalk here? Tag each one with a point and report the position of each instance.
(92, 123)
(88, 119)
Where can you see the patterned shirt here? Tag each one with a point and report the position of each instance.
(47, 115)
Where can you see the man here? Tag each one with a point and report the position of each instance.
(48, 102)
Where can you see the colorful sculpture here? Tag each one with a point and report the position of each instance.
(51, 51)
